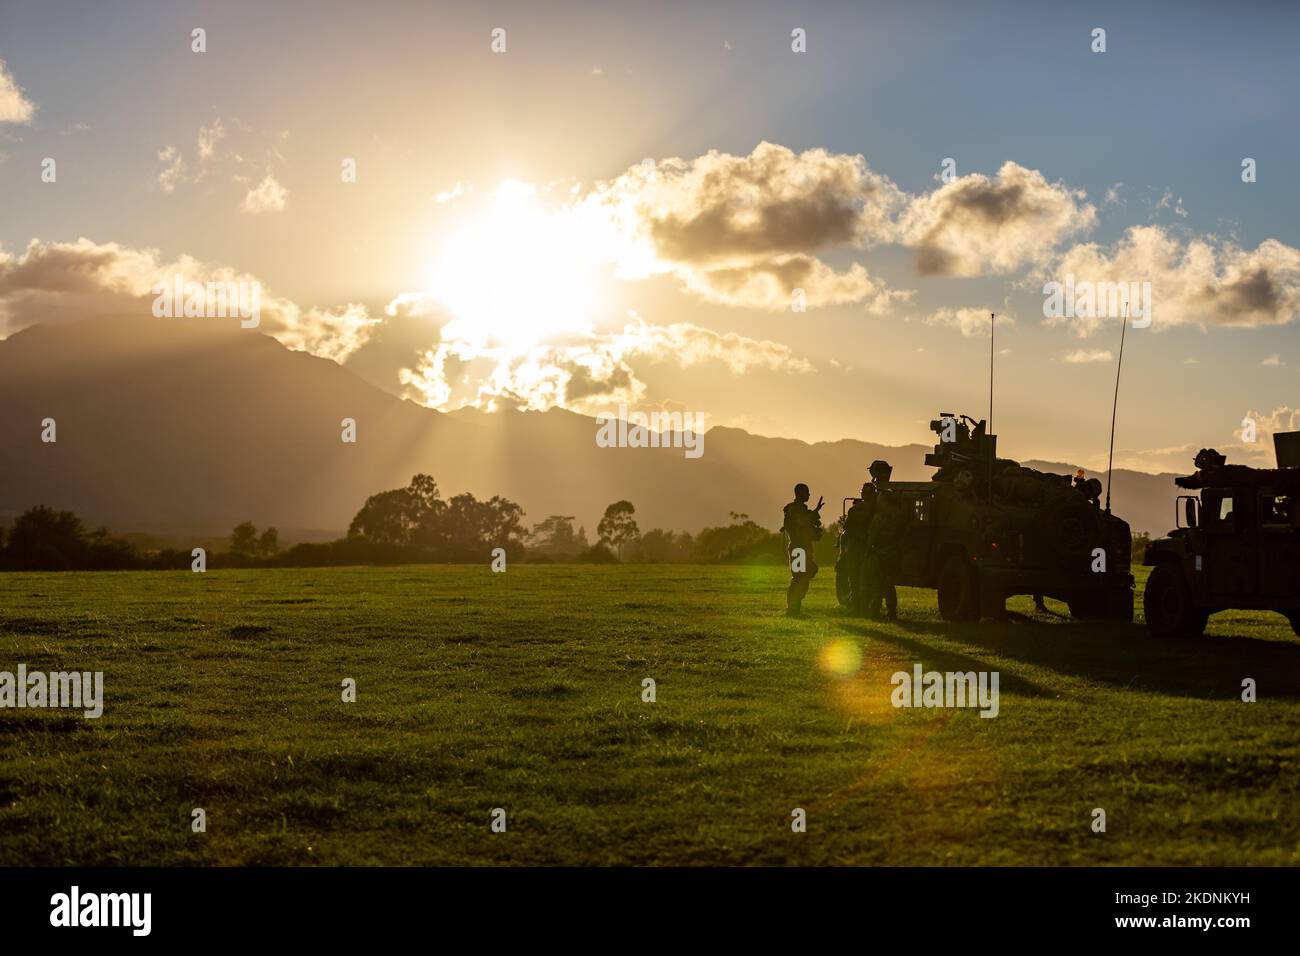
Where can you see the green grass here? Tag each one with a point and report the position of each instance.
(523, 690)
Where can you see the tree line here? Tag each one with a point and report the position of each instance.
(414, 524)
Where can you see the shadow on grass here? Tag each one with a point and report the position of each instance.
(941, 659)
(1126, 655)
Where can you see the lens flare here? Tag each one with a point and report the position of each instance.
(842, 658)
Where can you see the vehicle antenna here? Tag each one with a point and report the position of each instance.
(1114, 409)
(988, 432)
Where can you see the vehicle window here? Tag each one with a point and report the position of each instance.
(921, 510)
(1225, 510)
(1275, 510)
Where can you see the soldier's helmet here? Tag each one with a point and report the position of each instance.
(1208, 458)
(880, 470)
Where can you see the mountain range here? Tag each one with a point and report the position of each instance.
(188, 427)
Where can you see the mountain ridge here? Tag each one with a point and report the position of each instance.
(167, 424)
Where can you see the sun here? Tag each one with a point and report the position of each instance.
(519, 271)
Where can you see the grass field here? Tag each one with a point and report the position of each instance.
(523, 691)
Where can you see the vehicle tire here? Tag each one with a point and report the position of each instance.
(1167, 605)
(958, 590)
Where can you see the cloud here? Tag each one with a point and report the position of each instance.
(174, 172)
(974, 224)
(231, 151)
(456, 191)
(692, 344)
(771, 285)
(209, 136)
(15, 107)
(267, 196)
(1085, 356)
(1194, 281)
(1273, 360)
(1171, 202)
(970, 321)
(1260, 452)
(745, 230)
(582, 372)
(57, 282)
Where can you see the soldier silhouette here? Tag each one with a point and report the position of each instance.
(857, 528)
(803, 527)
(884, 541)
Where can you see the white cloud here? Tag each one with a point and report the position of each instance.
(746, 230)
(56, 282)
(1260, 452)
(971, 321)
(209, 136)
(581, 372)
(234, 152)
(976, 224)
(174, 172)
(266, 196)
(1196, 281)
(1273, 360)
(15, 107)
(1084, 356)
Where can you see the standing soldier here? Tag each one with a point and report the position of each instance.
(883, 544)
(802, 527)
(857, 527)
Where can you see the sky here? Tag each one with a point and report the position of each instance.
(790, 218)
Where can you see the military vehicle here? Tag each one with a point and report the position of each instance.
(984, 528)
(1235, 545)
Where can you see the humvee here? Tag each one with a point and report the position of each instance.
(984, 528)
(1235, 545)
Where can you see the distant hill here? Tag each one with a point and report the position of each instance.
(190, 426)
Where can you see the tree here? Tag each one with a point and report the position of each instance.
(401, 516)
(384, 518)
(657, 546)
(461, 528)
(618, 527)
(47, 540)
(243, 540)
(555, 537)
(742, 541)
(268, 545)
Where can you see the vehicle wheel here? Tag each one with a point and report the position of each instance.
(958, 591)
(1167, 605)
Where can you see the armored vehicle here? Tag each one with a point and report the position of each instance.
(985, 528)
(1235, 545)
